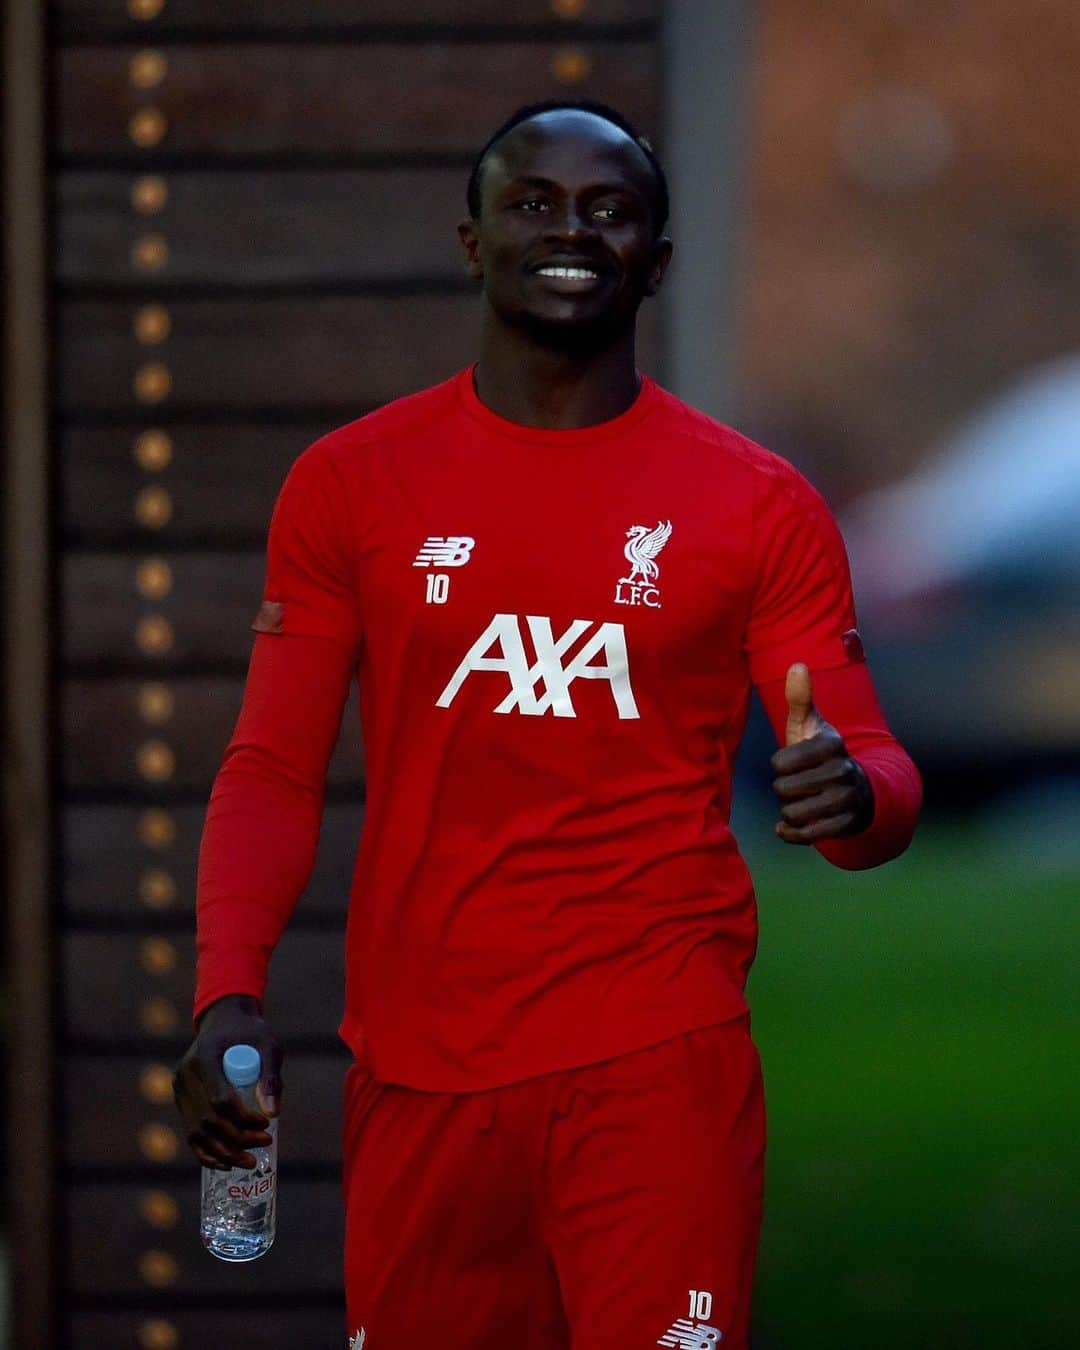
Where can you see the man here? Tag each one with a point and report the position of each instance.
(556, 584)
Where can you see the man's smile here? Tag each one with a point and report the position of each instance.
(570, 275)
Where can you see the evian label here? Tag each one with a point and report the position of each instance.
(254, 1190)
(639, 586)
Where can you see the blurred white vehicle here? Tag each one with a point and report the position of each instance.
(968, 582)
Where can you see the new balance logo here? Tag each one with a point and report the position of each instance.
(357, 1342)
(543, 685)
(687, 1335)
(453, 550)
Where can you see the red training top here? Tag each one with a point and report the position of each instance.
(555, 634)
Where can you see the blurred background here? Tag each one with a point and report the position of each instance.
(229, 228)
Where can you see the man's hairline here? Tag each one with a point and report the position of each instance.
(554, 112)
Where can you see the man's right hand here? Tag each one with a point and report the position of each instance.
(218, 1127)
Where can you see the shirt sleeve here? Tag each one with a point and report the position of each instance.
(310, 576)
(265, 810)
(803, 610)
(263, 819)
(802, 607)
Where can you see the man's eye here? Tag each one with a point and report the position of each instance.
(609, 212)
(532, 204)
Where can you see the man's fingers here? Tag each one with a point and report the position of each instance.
(242, 1133)
(802, 720)
(819, 749)
(227, 1106)
(268, 1095)
(834, 801)
(836, 827)
(210, 1153)
(794, 786)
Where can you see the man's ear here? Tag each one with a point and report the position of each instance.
(662, 251)
(469, 235)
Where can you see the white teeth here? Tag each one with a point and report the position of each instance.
(577, 273)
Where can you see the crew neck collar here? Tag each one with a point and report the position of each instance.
(598, 431)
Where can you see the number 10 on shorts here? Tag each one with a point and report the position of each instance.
(438, 588)
(700, 1304)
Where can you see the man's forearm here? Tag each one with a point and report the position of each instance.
(262, 823)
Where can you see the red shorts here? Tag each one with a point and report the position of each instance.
(611, 1206)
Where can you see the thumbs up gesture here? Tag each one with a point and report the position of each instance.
(824, 792)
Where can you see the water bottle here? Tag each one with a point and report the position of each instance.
(239, 1207)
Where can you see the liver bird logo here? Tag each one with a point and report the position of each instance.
(644, 544)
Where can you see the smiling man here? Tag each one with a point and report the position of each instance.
(556, 584)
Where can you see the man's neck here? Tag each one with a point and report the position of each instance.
(540, 386)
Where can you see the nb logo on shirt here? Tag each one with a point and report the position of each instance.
(687, 1335)
(543, 685)
(453, 550)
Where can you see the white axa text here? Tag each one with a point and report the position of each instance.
(544, 686)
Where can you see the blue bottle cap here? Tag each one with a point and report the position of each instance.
(242, 1065)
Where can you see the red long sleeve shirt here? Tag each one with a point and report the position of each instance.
(555, 635)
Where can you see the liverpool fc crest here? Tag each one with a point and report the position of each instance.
(639, 586)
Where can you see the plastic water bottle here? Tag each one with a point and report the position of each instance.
(239, 1207)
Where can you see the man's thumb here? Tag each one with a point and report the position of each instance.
(802, 719)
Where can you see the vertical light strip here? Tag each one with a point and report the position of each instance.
(26, 795)
(707, 53)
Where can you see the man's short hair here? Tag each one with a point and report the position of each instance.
(659, 204)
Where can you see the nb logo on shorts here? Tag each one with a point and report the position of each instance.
(687, 1335)
(453, 550)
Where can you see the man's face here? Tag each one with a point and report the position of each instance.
(565, 244)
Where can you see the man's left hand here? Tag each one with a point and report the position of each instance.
(825, 793)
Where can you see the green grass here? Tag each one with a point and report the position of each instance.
(919, 1029)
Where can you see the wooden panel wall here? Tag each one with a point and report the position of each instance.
(253, 211)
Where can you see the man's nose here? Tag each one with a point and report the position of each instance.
(572, 223)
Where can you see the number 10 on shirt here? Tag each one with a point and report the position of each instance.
(438, 588)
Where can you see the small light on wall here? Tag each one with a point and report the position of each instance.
(153, 508)
(147, 69)
(152, 382)
(158, 1016)
(157, 829)
(157, 1334)
(155, 1084)
(159, 1143)
(157, 889)
(150, 253)
(159, 1209)
(158, 1268)
(147, 127)
(154, 635)
(149, 194)
(152, 325)
(156, 761)
(157, 956)
(153, 578)
(571, 65)
(153, 450)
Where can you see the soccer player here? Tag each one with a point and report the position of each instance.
(556, 584)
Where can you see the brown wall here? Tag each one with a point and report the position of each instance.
(913, 239)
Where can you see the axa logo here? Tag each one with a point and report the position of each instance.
(639, 586)
(542, 685)
(451, 550)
